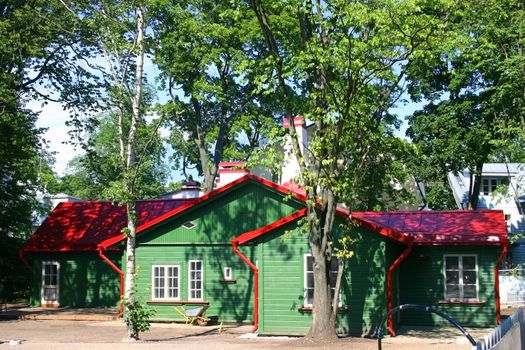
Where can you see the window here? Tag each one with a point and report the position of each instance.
(195, 279)
(461, 277)
(50, 270)
(227, 273)
(166, 282)
(309, 278)
(508, 221)
(489, 184)
(189, 225)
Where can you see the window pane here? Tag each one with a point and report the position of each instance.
(309, 263)
(309, 296)
(309, 280)
(452, 277)
(452, 291)
(469, 277)
(469, 292)
(452, 263)
(469, 263)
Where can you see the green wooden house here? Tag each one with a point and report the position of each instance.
(240, 250)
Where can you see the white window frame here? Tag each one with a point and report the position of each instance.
(500, 180)
(227, 273)
(166, 285)
(308, 303)
(42, 293)
(190, 298)
(460, 274)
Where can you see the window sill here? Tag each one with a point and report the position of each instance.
(230, 280)
(462, 302)
(340, 310)
(177, 302)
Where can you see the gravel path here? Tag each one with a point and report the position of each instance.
(110, 335)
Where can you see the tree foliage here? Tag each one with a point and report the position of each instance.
(214, 110)
(341, 64)
(474, 84)
(92, 175)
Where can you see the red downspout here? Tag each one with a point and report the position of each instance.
(255, 282)
(23, 258)
(496, 280)
(390, 306)
(121, 274)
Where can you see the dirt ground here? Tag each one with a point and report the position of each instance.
(80, 335)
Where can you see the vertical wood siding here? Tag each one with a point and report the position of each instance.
(245, 208)
(422, 282)
(282, 281)
(85, 280)
(231, 302)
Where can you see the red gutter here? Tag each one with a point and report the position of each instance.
(255, 282)
(23, 258)
(121, 275)
(496, 279)
(390, 306)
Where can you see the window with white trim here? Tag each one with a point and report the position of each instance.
(461, 277)
(309, 278)
(489, 184)
(195, 272)
(227, 274)
(166, 282)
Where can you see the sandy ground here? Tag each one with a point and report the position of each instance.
(80, 335)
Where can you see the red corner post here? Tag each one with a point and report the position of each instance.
(121, 275)
(390, 306)
(235, 244)
(496, 279)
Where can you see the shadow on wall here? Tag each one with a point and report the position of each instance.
(364, 293)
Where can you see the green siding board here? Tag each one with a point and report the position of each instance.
(244, 208)
(231, 302)
(282, 282)
(224, 217)
(427, 264)
(84, 279)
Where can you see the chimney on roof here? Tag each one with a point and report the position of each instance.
(190, 189)
(290, 165)
(230, 171)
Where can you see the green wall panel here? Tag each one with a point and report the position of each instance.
(230, 302)
(282, 283)
(244, 208)
(425, 266)
(85, 280)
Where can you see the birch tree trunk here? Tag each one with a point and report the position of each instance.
(130, 164)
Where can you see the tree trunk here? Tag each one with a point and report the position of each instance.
(475, 186)
(323, 319)
(130, 182)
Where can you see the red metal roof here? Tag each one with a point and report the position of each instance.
(443, 227)
(82, 226)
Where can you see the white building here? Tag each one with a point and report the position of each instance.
(512, 203)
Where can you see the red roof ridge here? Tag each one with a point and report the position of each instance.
(109, 242)
(251, 235)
